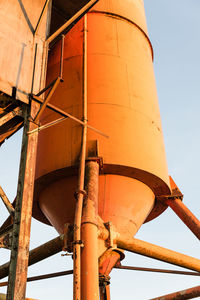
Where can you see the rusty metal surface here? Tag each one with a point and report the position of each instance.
(6, 237)
(182, 295)
(38, 254)
(89, 235)
(23, 210)
(159, 253)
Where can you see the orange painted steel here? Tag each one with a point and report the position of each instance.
(182, 295)
(185, 215)
(159, 253)
(122, 102)
(89, 230)
(108, 261)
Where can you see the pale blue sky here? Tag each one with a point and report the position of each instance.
(174, 28)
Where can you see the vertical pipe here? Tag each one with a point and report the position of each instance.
(105, 293)
(79, 204)
(185, 215)
(108, 292)
(23, 210)
(62, 56)
(89, 255)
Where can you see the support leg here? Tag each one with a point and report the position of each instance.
(185, 215)
(89, 255)
(105, 293)
(23, 211)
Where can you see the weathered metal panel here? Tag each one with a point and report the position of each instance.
(18, 20)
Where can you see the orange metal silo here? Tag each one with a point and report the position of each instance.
(122, 103)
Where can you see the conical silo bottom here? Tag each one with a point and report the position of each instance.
(124, 201)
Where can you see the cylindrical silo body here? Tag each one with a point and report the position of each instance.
(122, 103)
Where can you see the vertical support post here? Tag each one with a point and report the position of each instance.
(105, 293)
(81, 179)
(107, 262)
(185, 215)
(23, 210)
(89, 230)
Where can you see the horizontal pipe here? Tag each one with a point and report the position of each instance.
(159, 253)
(182, 295)
(44, 251)
(158, 270)
(41, 277)
(185, 215)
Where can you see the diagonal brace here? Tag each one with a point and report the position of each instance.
(46, 100)
(71, 21)
(9, 116)
(7, 203)
(66, 115)
(41, 16)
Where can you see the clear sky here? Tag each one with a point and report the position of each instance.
(174, 32)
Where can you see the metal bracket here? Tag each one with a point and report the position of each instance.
(110, 240)
(6, 241)
(78, 242)
(6, 237)
(170, 197)
(68, 237)
(175, 192)
(99, 160)
(104, 280)
(83, 192)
